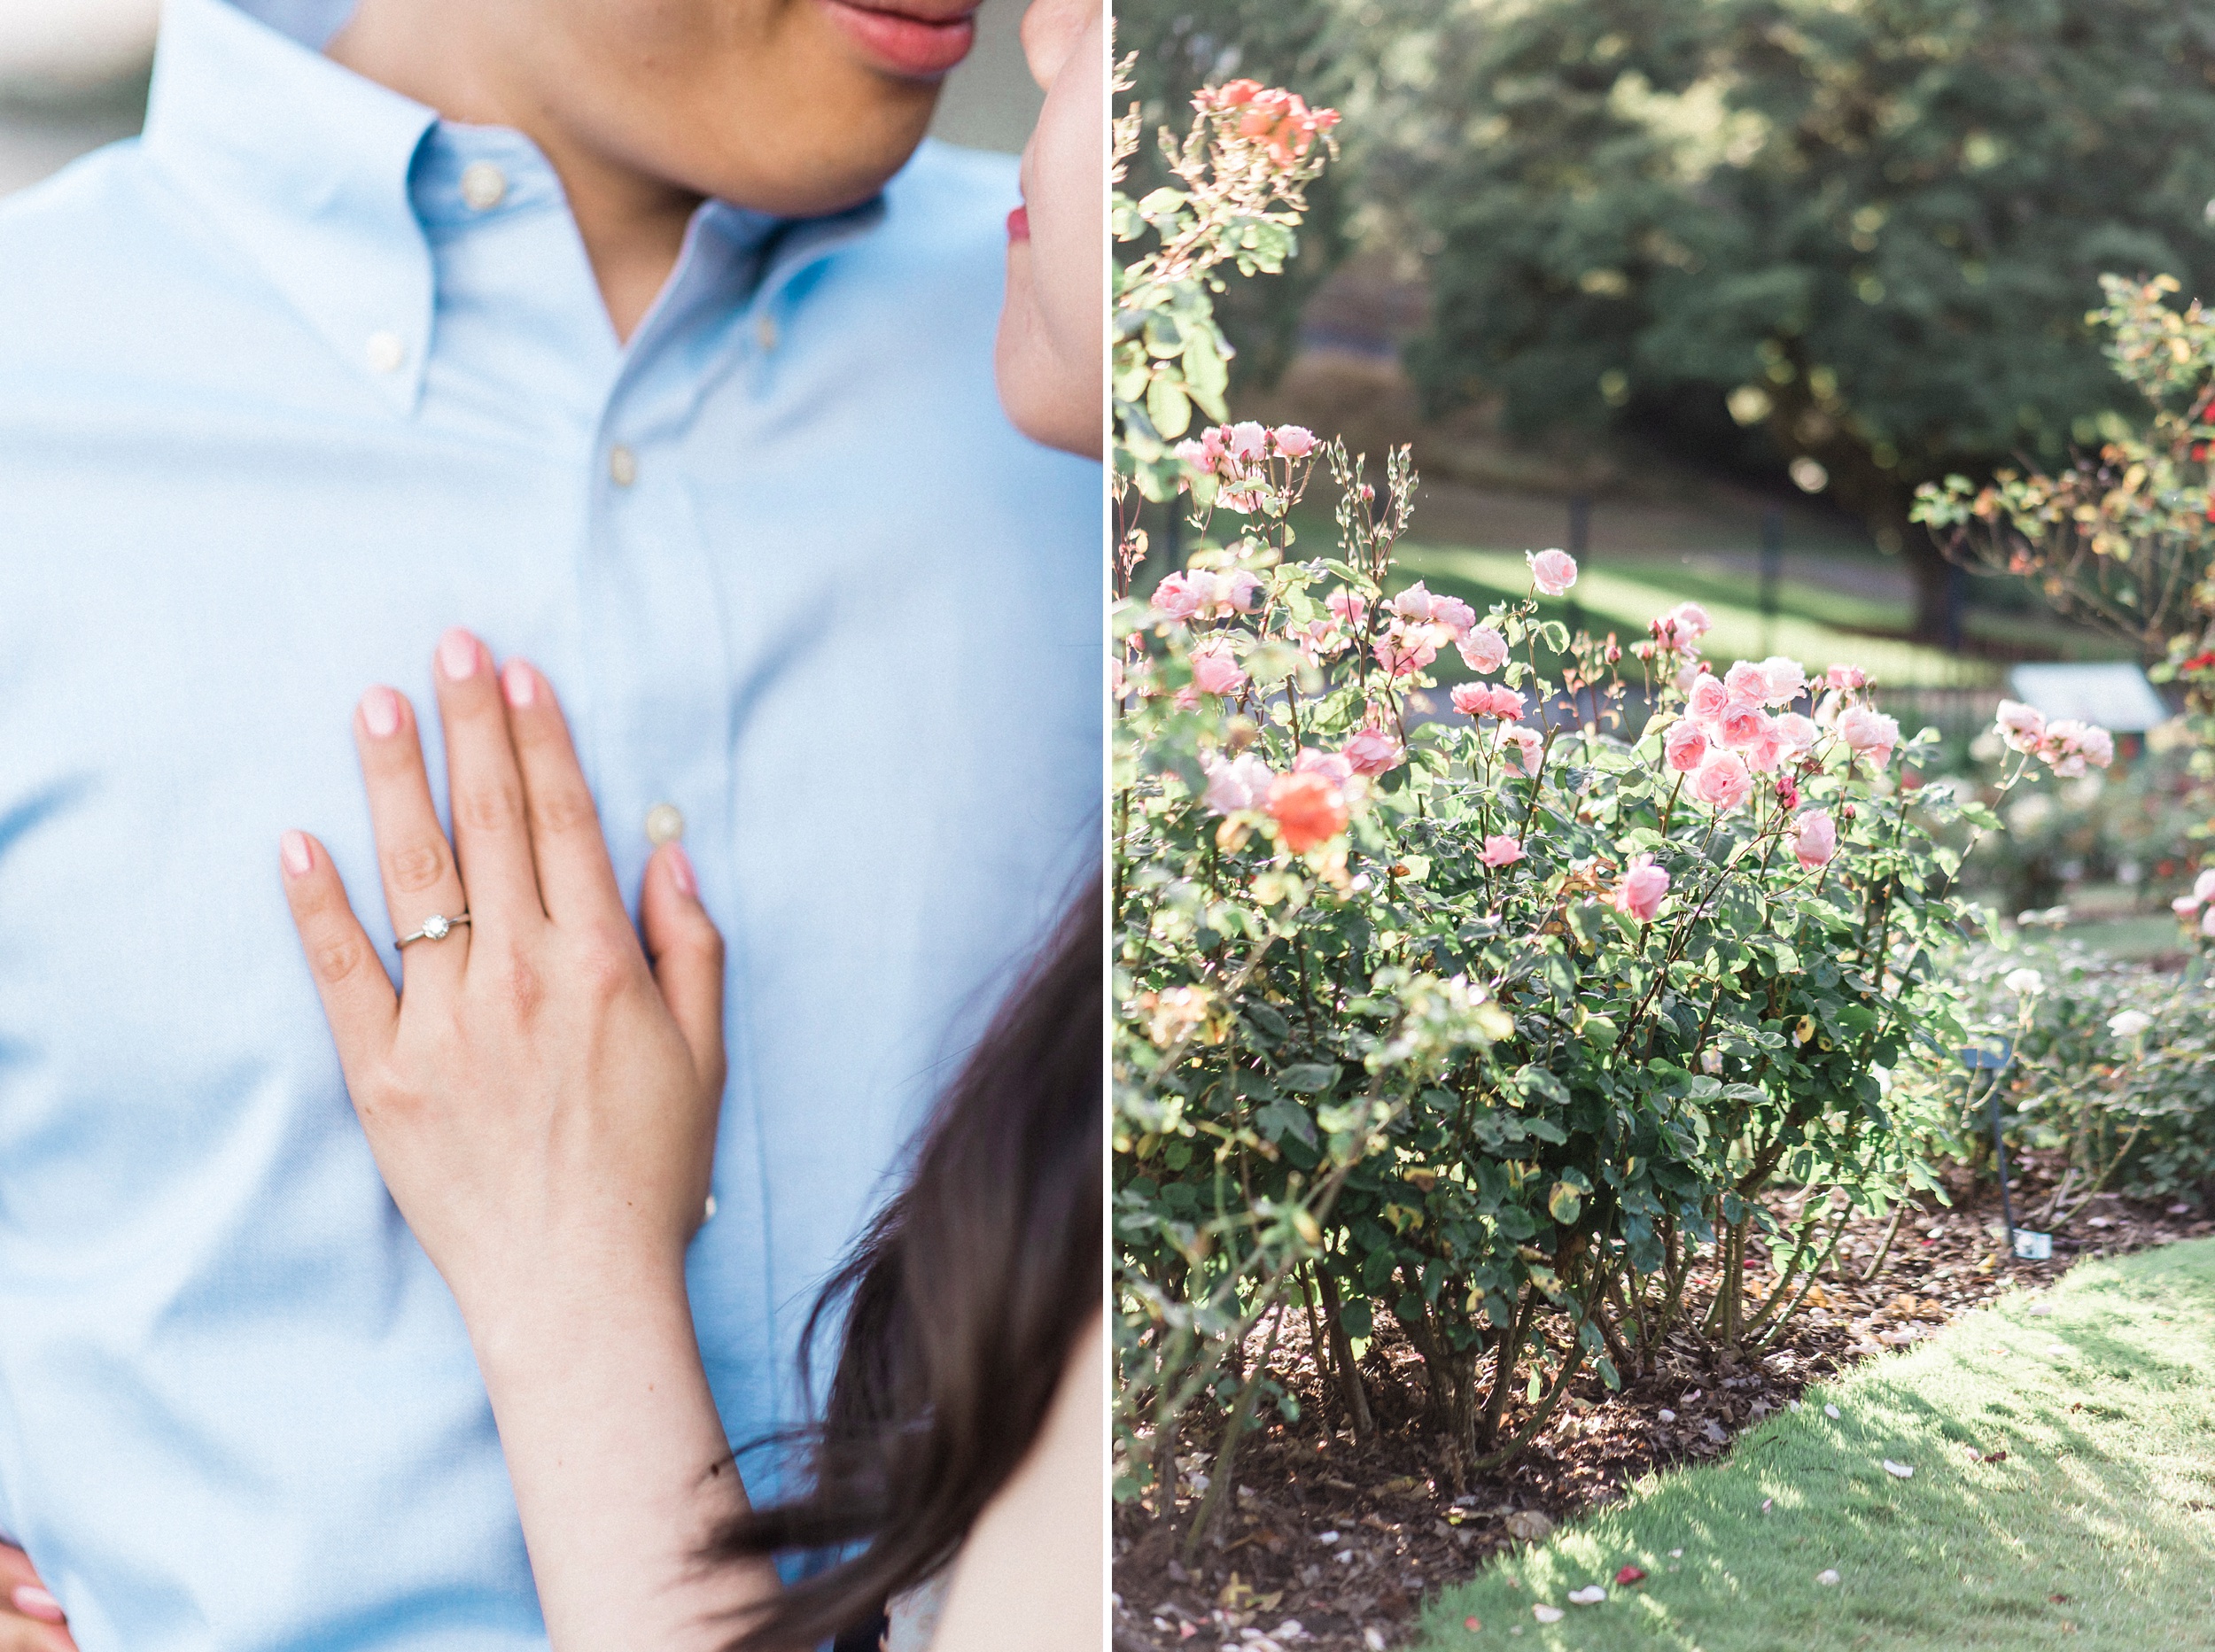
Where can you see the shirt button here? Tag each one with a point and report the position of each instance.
(766, 332)
(665, 824)
(484, 186)
(387, 351)
(622, 466)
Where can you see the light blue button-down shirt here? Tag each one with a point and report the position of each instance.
(277, 404)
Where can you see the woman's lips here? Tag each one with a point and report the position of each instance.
(908, 42)
(1019, 224)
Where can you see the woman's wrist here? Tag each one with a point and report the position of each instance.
(569, 1307)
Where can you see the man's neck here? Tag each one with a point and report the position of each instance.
(633, 225)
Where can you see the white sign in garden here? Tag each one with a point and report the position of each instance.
(2113, 695)
(51, 48)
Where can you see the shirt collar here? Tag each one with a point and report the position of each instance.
(303, 165)
(325, 179)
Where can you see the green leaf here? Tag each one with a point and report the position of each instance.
(1564, 1202)
(1310, 1078)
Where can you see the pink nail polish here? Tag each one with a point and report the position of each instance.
(457, 655)
(680, 871)
(299, 859)
(33, 1602)
(380, 713)
(519, 682)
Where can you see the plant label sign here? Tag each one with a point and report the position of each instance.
(2114, 695)
(2033, 1247)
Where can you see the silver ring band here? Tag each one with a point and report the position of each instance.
(434, 928)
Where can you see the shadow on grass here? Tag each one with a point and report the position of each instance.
(2105, 1498)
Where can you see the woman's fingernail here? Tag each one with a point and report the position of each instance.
(680, 871)
(380, 713)
(519, 683)
(299, 860)
(33, 1602)
(457, 654)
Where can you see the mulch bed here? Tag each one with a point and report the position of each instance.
(1326, 1545)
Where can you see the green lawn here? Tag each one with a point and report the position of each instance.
(1626, 597)
(2106, 1409)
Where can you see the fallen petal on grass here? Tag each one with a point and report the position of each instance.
(1826, 1577)
(1629, 1575)
(1546, 1614)
(1832, 1412)
(1591, 1594)
(1899, 1470)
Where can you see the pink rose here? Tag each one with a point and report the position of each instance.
(1846, 676)
(1870, 731)
(1294, 441)
(1484, 650)
(1682, 626)
(1815, 838)
(1746, 682)
(1331, 765)
(1684, 745)
(1766, 750)
(1521, 747)
(2203, 886)
(1372, 751)
(1501, 851)
(1707, 698)
(1414, 604)
(1798, 732)
(1721, 783)
(1246, 440)
(1486, 700)
(2099, 747)
(1349, 610)
(1788, 792)
(1241, 783)
(1640, 893)
(1782, 681)
(1240, 590)
(1405, 649)
(1181, 595)
(1743, 722)
(1454, 614)
(2185, 905)
(2021, 726)
(1552, 571)
(2207, 923)
(1215, 670)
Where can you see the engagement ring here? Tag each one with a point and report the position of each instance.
(434, 928)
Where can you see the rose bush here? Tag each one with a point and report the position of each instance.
(1494, 1023)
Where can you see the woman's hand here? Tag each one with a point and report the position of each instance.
(539, 1100)
(30, 1618)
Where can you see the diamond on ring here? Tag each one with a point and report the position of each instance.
(435, 927)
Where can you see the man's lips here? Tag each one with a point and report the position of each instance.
(917, 40)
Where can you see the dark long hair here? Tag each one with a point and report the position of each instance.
(962, 1304)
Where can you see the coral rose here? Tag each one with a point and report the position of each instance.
(1308, 810)
(1552, 571)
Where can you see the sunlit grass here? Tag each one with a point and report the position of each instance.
(1613, 598)
(2106, 1497)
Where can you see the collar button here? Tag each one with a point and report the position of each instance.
(484, 186)
(622, 466)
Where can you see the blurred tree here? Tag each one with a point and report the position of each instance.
(1870, 229)
(1328, 51)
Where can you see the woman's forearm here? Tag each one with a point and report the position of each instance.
(619, 1464)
